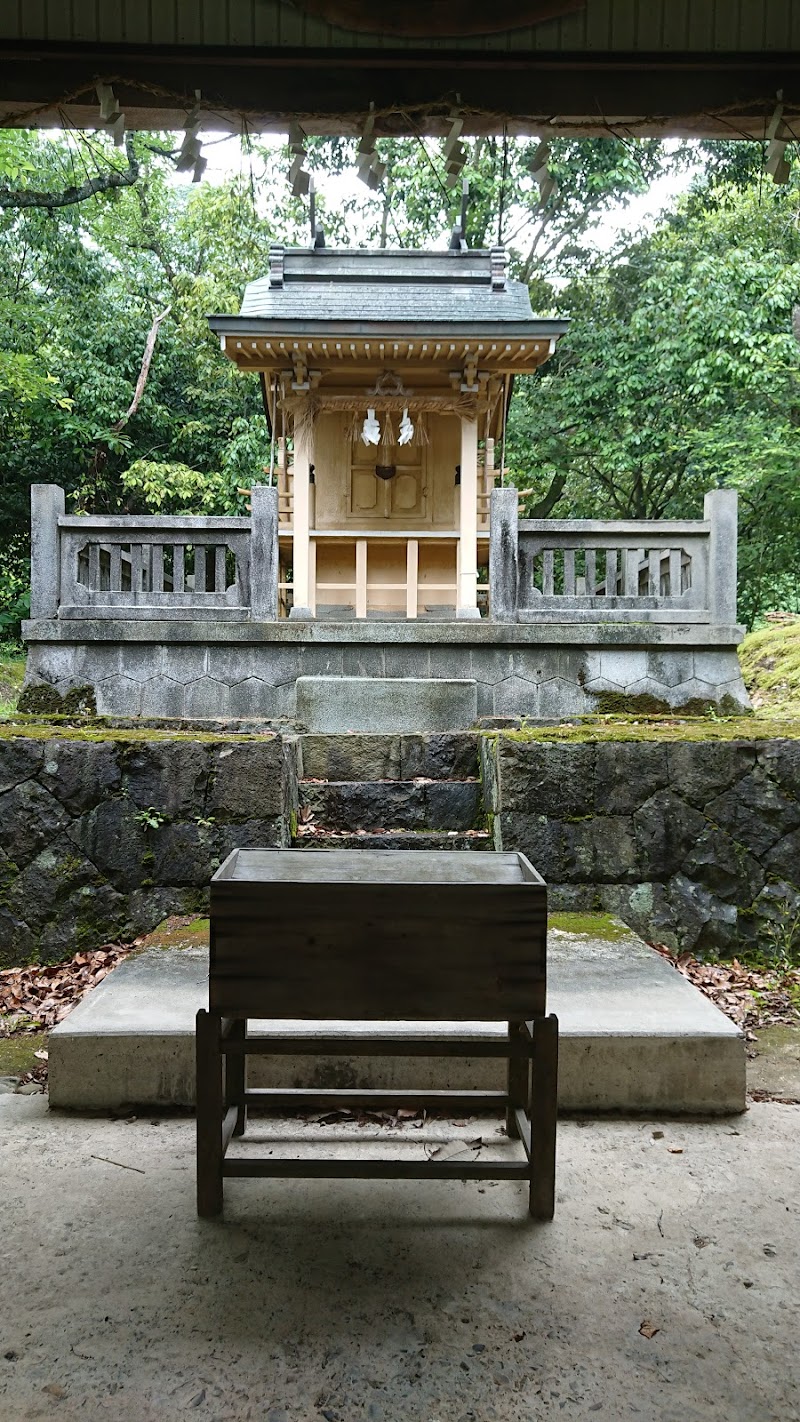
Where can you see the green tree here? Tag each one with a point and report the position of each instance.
(679, 373)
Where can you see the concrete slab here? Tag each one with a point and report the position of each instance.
(635, 1036)
(665, 1289)
(386, 704)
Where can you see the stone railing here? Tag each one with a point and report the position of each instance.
(588, 570)
(161, 566)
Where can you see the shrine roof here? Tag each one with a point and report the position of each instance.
(450, 290)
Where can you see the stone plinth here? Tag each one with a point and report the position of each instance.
(222, 668)
(634, 1036)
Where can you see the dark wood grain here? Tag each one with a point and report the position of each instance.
(360, 1044)
(209, 1115)
(381, 951)
(236, 1072)
(364, 1169)
(544, 1113)
(519, 1074)
(383, 936)
(300, 1098)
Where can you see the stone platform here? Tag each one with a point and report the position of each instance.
(635, 1036)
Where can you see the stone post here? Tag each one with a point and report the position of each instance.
(504, 555)
(47, 506)
(264, 553)
(720, 510)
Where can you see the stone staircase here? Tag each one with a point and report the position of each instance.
(391, 792)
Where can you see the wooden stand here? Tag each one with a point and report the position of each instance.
(384, 935)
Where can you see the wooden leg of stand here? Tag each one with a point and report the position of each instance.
(236, 1077)
(209, 1114)
(519, 1069)
(544, 1112)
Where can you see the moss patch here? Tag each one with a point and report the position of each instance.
(178, 932)
(770, 661)
(79, 701)
(65, 729)
(17, 1053)
(592, 925)
(621, 703)
(660, 728)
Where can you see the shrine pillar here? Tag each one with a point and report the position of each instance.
(303, 595)
(467, 597)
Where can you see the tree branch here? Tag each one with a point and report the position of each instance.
(104, 182)
(545, 506)
(150, 345)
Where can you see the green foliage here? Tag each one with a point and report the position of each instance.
(414, 207)
(150, 818)
(679, 372)
(154, 486)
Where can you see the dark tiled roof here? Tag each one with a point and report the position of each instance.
(386, 286)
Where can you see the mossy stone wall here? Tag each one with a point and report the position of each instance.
(694, 843)
(103, 835)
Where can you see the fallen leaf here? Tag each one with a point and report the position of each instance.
(453, 1148)
(675, 1150)
(648, 1329)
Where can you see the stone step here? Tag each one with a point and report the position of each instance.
(404, 705)
(309, 837)
(443, 756)
(634, 1036)
(393, 804)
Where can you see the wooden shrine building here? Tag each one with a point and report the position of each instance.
(382, 581)
(389, 374)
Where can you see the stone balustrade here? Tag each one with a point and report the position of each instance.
(592, 570)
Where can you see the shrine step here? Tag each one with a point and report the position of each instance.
(442, 756)
(310, 837)
(392, 804)
(635, 1036)
(387, 704)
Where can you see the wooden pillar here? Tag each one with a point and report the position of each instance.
(302, 598)
(467, 603)
(361, 577)
(412, 577)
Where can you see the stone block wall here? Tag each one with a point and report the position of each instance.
(101, 837)
(215, 670)
(694, 843)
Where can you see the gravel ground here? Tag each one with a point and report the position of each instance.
(401, 1301)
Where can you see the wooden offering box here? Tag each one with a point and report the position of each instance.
(389, 936)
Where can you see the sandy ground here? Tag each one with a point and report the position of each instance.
(398, 1300)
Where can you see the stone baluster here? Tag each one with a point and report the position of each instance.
(264, 553)
(720, 509)
(504, 556)
(47, 506)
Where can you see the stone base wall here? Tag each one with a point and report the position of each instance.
(547, 670)
(101, 838)
(103, 833)
(695, 844)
